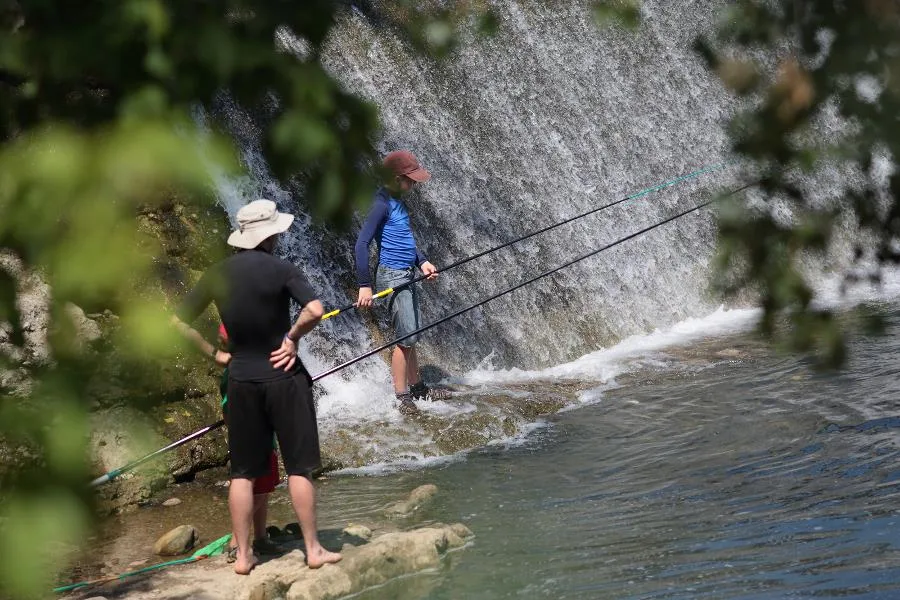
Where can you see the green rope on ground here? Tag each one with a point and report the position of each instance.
(213, 548)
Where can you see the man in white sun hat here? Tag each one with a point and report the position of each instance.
(269, 389)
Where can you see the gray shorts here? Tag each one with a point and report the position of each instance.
(402, 305)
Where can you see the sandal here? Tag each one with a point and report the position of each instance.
(262, 546)
(265, 547)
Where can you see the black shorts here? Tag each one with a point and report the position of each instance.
(284, 407)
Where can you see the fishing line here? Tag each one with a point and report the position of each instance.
(523, 284)
(115, 473)
(463, 261)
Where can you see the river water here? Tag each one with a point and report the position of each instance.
(716, 468)
(723, 479)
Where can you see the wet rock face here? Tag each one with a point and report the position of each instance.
(32, 349)
(492, 415)
(32, 301)
(137, 405)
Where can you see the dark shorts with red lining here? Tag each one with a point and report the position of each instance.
(283, 408)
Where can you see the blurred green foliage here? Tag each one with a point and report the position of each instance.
(625, 13)
(820, 81)
(95, 126)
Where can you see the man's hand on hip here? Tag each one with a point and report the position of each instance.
(285, 356)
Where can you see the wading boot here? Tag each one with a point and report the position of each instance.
(420, 391)
(406, 405)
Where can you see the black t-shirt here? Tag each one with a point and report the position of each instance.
(252, 291)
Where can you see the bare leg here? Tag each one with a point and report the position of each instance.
(260, 514)
(240, 504)
(412, 366)
(303, 497)
(398, 369)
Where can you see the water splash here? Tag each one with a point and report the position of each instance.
(549, 118)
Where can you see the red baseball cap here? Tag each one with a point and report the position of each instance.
(404, 162)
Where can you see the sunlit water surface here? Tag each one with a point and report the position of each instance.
(724, 471)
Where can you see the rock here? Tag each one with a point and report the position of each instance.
(729, 353)
(461, 530)
(138, 563)
(384, 558)
(172, 502)
(33, 303)
(96, 598)
(287, 577)
(360, 531)
(178, 541)
(118, 436)
(88, 329)
(418, 498)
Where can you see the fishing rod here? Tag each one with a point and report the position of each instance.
(463, 261)
(116, 472)
(524, 283)
(112, 474)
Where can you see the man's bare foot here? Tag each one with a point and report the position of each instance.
(320, 556)
(243, 565)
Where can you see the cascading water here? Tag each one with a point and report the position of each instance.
(549, 118)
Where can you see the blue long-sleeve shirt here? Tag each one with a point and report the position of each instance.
(388, 224)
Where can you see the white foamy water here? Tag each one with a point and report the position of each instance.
(638, 351)
(606, 363)
(548, 119)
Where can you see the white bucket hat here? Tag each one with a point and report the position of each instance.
(257, 221)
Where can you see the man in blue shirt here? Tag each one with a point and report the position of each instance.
(398, 257)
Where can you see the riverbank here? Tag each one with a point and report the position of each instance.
(393, 541)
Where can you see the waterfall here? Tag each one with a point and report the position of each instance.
(550, 117)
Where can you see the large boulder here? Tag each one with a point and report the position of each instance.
(384, 558)
(177, 541)
(365, 565)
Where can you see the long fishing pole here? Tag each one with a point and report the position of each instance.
(523, 284)
(116, 472)
(112, 474)
(463, 261)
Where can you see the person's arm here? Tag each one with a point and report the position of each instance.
(192, 335)
(377, 216)
(193, 304)
(428, 269)
(420, 258)
(285, 356)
